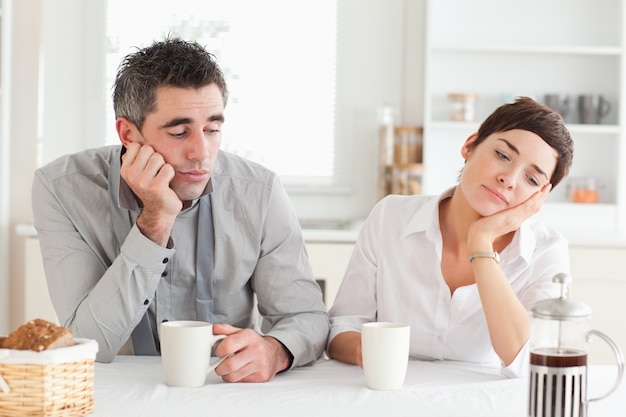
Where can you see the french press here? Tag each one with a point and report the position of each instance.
(559, 337)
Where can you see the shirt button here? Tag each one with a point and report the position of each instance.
(165, 260)
(164, 274)
(164, 321)
(146, 302)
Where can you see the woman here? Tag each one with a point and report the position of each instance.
(464, 268)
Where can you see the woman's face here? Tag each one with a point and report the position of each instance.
(505, 169)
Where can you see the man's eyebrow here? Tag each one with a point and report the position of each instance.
(176, 122)
(514, 149)
(217, 118)
(186, 120)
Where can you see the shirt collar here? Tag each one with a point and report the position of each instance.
(523, 244)
(426, 219)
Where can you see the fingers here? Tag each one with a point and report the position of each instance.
(535, 201)
(225, 329)
(483, 232)
(148, 174)
(144, 168)
(253, 358)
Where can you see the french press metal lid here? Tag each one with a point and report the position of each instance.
(562, 308)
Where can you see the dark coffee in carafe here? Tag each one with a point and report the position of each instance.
(558, 379)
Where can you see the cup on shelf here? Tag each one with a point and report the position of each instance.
(592, 108)
(558, 102)
(583, 190)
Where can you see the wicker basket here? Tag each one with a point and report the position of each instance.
(55, 385)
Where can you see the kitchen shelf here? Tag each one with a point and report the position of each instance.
(573, 128)
(529, 49)
(575, 47)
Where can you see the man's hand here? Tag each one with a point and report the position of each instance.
(254, 358)
(149, 176)
(486, 230)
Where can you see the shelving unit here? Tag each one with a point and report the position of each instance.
(502, 49)
(400, 167)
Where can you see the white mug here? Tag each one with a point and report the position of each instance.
(385, 349)
(186, 352)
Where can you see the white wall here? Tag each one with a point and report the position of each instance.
(73, 70)
(380, 57)
(5, 172)
(380, 60)
(19, 141)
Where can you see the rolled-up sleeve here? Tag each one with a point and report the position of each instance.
(96, 292)
(289, 298)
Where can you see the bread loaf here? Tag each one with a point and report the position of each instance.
(38, 335)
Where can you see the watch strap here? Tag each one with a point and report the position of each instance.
(493, 255)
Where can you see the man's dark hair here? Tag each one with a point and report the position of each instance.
(172, 62)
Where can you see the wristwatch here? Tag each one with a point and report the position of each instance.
(493, 255)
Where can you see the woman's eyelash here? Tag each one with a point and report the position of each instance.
(501, 155)
(533, 181)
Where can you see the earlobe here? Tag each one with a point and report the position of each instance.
(125, 130)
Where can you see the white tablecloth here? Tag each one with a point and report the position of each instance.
(134, 386)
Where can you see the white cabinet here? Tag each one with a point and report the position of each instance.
(506, 48)
(600, 282)
(37, 304)
(329, 261)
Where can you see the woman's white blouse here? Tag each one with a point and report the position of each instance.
(394, 274)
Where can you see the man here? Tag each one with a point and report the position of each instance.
(167, 227)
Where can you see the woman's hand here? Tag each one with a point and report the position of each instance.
(485, 231)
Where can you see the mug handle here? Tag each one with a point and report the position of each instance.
(605, 107)
(619, 357)
(215, 364)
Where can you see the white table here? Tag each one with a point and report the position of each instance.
(134, 386)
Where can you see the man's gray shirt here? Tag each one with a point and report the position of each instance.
(104, 275)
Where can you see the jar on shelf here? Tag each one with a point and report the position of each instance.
(406, 179)
(462, 106)
(407, 144)
(583, 190)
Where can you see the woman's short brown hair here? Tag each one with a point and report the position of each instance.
(527, 114)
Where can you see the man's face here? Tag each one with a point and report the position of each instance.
(186, 129)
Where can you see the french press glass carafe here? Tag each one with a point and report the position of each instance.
(560, 333)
